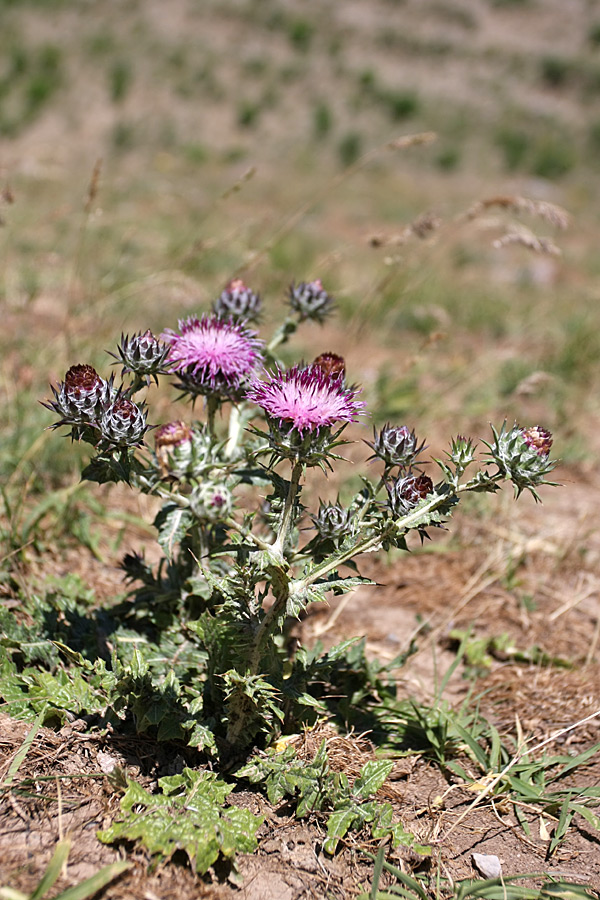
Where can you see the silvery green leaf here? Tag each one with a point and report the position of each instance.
(173, 523)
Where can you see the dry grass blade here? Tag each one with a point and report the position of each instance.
(93, 186)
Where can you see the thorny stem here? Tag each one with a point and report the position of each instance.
(275, 610)
(280, 586)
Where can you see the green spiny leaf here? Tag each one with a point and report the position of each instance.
(371, 778)
(188, 815)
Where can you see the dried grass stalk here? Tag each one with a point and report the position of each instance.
(550, 212)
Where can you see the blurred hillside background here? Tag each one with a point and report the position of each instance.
(150, 151)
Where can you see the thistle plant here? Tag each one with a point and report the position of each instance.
(243, 555)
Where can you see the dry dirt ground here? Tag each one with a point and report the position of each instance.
(550, 554)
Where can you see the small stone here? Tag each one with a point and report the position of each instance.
(488, 865)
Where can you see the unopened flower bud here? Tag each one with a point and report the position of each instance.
(331, 365)
(123, 423)
(396, 446)
(333, 520)
(462, 451)
(167, 439)
(142, 354)
(237, 302)
(212, 502)
(407, 492)
(81, 396)
(310, 300)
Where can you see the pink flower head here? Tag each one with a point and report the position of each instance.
(306, 399)
(212, 355)
(538, 439)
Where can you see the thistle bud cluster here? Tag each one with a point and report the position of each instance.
(97, 411)
(310, 300)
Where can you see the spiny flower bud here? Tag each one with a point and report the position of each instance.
(184, 453)
(310, 300)
(212, 502)
(333, 520)
(237, 302)
(462, 451)
(396, 446)
(331, 365)
(142, 354)
(521, 454)
(80, 396)
(167, 438)
(407, 492)
(123, 423)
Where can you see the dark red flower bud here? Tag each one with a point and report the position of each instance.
(331, 365)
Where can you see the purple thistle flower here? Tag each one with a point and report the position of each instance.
(213, 356)
(306, 399)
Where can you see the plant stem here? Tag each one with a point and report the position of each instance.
(212, 405)
(288, 510)
(256, 540)
(236, 424)
(244, 707)
(282, 334)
